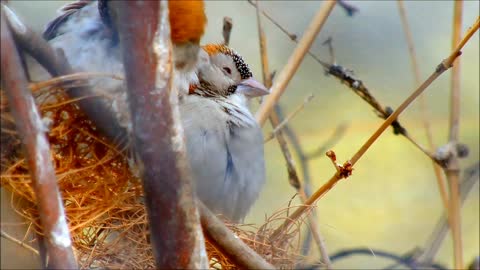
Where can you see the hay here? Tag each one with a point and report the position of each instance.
(103, 199)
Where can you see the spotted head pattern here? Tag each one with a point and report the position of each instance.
(242, 67)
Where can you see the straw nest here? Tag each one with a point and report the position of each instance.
(103, 199)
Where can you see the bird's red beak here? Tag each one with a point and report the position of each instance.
(252, 88)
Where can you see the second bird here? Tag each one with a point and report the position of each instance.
(224, 142)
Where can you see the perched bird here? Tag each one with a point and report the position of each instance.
(224, 142)
(84, 31)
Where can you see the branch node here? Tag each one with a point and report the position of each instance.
(446, 153)
(344, 170)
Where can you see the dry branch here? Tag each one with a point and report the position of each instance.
(423, 104)
(453, 167)
(18, 242)
(441, 68)
(275, 121)
(37, 150)
(144, 29)
(294, 61)
(470, 178)
(287, 119)
(227, 29)
(229, 243)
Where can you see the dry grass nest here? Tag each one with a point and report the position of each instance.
(103, 199)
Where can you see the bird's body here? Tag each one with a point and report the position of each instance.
(224, 142)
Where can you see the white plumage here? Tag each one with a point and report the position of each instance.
(224, 142)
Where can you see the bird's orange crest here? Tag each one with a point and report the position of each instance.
(212, 49)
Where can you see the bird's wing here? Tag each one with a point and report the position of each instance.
(51, 30)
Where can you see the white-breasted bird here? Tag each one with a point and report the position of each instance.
(224, 142)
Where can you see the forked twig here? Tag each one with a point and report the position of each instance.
(294, 61)
(292, 172)
(423, 104)
(441, 68)
(287, 119)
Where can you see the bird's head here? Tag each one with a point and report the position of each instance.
(225, 72)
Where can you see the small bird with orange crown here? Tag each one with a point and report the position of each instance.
(224, 142)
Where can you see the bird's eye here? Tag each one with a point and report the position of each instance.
(228, 70)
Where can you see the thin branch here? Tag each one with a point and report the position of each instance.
(336, 136)
(343, 75)
(399, 260)
(294, 61)
(227, 29)
(293, 37)
(229, 243)
(37, 151)
(349, 8)
(470, 177)
(275, 121)
(423, 104)
(287, 119)
(174, 222)
(18, 242)
(441, 68)
(453, 168)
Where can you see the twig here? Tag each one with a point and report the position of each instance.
(470, 177)
(229, 243)
(37, 151)
(342, 74)
(329, 44)
(288, 118)
(18, 242)
(227, 29)
(362, 91)
(174, 222)
(293, 37)
(336, 136)
(292, 172)
(294, 61)
(349, 8)
(441, 68)
(266, 76)
(453, 168)
(423, 104)
(400, 261)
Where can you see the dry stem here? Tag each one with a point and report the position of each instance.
(288, 118)
(18, 242)
(423, 105)
(275, 121)
(294, 61)
(470, 177)
(227, 30)
(441, 68)
(453, 171)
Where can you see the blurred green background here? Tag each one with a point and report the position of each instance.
(392, 201)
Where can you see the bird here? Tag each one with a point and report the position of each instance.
(224, 143)
(84, 31)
